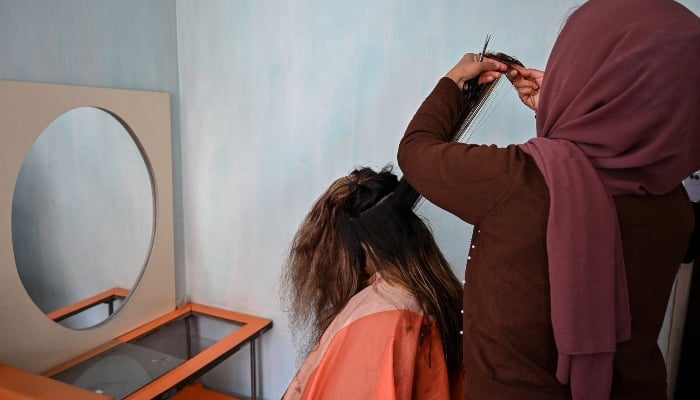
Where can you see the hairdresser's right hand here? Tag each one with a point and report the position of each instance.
(469, 67)
(527, 81)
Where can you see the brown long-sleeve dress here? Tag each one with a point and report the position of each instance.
(509, 349)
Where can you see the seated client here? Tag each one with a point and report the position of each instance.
(376, 298)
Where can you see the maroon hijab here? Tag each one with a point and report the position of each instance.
(619, 113)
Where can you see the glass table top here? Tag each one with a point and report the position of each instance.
(120, 371)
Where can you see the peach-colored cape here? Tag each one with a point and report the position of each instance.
(380, 346)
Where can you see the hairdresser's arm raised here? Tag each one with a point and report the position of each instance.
(452, 175)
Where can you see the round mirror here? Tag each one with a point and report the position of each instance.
(82, 217)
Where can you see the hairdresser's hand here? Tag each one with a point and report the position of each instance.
(469, 67)
(527, 81)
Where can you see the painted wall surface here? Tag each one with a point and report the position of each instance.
(279, 98)
(272, 100)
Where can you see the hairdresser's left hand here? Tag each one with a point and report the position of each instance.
(469, 67)
(527, 81)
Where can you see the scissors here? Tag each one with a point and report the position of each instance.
(486, 43)
(471, 87)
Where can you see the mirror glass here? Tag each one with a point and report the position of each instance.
(82, 217)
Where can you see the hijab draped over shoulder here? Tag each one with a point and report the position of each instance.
(619, 113)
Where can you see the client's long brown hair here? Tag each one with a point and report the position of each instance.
(361, 217)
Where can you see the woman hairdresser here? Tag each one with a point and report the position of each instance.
(579, 232)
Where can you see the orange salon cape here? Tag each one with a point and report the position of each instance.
(380, 346)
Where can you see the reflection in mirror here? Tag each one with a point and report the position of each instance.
(82, 216)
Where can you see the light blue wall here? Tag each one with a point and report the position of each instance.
(127, 44)
(272, 100)
(279, 98)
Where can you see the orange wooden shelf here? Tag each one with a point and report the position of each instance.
(196, 391)
(18, 384)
